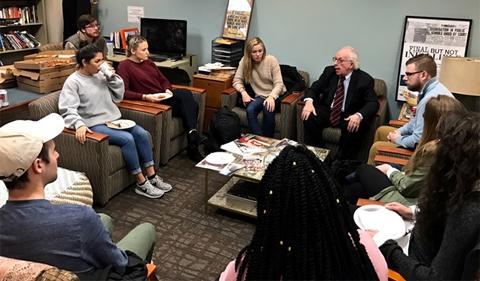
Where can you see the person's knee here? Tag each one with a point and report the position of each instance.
(149, 230)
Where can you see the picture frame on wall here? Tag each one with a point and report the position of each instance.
(237, 19)
(437, 37)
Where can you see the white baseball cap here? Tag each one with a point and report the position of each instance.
(21, 142)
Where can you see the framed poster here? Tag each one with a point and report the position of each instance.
(237, 19)
(437, 37)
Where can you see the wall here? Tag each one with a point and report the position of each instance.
(306, 33)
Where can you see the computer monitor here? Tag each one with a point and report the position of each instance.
(165, 36)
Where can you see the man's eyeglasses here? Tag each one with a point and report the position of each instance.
(93, 25)
(408, 74)
(339, 60)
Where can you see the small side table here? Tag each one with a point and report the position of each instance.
(214, 85)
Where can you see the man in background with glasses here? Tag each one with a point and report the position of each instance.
(420, 76)
(88, 33)
(342, 97)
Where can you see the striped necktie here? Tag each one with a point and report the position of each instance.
(336, 109)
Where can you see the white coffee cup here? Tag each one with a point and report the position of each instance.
(106, 70)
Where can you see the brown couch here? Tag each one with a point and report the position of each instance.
(102, 163)
(285, 120)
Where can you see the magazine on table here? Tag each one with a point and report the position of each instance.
(249, 144)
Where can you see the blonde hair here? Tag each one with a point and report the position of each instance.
(247, 57)
(133, 42)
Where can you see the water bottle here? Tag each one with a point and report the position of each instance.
(109, 48)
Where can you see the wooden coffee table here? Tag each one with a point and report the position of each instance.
(240, 205)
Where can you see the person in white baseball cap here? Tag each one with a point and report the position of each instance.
(68, 236)
(25, 143)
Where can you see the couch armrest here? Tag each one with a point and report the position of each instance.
(392, 155)
(191, 89)
(93, 135)
(362, 202)
(397, 123)
(229, 97)
(143, 106)
(292, 98)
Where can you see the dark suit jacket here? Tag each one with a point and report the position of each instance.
(360, 94)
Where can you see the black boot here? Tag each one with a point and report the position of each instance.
(193, 152)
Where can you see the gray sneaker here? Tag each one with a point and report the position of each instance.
(158, 182)
(148, 190)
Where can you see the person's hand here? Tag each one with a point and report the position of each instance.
(152, 98)
(269, 103)
(402, 210)
(371, 232)
(393, 136)
(383, 168)
(246, 98)
(354, 121)
(308, 109)
(81, 134)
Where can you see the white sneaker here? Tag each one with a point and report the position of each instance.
(158, 182)
(148, 190)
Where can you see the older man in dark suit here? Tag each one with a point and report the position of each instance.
(342, 97)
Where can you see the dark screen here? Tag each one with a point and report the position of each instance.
(164, 36)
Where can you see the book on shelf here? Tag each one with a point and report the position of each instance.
(15, 15)
(16, 40)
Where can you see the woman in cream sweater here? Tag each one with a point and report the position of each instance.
(262, 73)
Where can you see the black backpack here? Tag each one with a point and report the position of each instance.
(292, 79)
(224, 127)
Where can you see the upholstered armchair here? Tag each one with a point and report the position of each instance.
(102, 163)
(285, 120)
(172, 138)
(331, 135)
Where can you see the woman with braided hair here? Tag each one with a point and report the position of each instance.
(305, 230)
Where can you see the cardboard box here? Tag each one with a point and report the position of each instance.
(44, 63)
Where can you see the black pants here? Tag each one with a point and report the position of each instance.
(185, 107)
(349, 144)
(367, 182)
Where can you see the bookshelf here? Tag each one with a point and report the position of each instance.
(22, 28)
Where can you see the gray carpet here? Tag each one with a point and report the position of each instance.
(191, 244)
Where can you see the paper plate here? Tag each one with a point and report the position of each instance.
(121, 124)
(220, 158)
(375, 217)
(163, 96)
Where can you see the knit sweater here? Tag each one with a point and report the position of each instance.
(447, 261)
(90, 100)
(266, 78)
(142, 78)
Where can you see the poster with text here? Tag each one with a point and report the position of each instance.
(437, 37)
(237, 19)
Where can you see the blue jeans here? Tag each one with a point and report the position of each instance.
(253, 109)
(133, 142)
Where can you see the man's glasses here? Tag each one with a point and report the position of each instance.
(339, 60)
(93, 25)
(408, 74)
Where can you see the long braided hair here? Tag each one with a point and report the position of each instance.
(304, 228)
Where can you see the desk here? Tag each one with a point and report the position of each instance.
(18, 108)
(188, 63)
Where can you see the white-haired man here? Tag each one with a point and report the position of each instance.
(342, 97)
(70, 237)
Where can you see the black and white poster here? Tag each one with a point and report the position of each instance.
(437, 37)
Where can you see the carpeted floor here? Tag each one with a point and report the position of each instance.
(191, 244)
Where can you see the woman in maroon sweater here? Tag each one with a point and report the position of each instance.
(142, 78)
